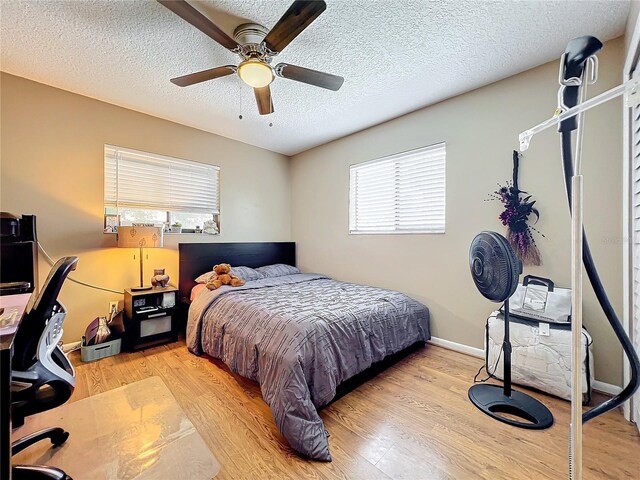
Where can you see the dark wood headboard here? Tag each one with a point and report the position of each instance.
(199, 258)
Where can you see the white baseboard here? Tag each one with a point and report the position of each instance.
(67, 347)
(479, 352)
(606, 387)
(457, 347)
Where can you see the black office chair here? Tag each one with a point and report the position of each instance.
(42, 376)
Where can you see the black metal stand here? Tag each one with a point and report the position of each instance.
(505, 404)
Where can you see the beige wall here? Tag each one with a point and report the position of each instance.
(480, 129)
(52, 166)
(52, 159)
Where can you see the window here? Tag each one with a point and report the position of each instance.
(634, 229)
(402, 193)
(146, 188)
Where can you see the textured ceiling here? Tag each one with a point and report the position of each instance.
(396, 56)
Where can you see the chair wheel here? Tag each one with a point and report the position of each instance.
(59, 439)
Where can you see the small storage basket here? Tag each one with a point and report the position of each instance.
(96, 352)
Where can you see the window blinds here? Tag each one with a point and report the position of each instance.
(402, 193)
(635, 238)
(134, 179)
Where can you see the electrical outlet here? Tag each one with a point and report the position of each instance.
(113, 306)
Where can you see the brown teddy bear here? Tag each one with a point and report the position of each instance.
(223, 276)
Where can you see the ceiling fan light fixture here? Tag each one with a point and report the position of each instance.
(255, 73)
(256, 46)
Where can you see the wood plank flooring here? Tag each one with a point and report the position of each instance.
(412, 421)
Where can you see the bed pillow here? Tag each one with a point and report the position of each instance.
(277, 270)
(196, 290)
(247, 274)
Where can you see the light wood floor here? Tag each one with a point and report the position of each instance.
(412, 421)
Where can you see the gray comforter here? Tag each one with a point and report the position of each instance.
(300, 336)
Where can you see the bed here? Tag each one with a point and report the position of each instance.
(299, 335)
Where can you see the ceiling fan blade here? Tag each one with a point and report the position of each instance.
(263, 97)
(203, 76)
(312, 77)
(198, 20)
(298, 17)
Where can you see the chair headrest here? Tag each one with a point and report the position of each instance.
(38, 312)
(45, 300)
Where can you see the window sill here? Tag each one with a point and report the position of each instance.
(400, 233)
(192, 233)
(175, 233)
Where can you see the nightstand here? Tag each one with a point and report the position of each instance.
(150, 317)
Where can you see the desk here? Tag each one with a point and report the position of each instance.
(19, 304)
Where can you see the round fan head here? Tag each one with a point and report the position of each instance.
(494, 266)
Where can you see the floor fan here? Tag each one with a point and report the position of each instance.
(495, 270)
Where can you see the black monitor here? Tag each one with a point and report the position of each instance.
(18, 254)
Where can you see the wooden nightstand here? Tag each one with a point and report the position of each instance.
(150, 317)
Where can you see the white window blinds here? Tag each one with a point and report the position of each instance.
(134, 179)
(635, 237)
(402, 193)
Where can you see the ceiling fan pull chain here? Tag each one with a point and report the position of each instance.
(240, 95)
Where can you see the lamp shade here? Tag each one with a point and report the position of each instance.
(139, 237)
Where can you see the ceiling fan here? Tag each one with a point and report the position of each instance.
(257, 46)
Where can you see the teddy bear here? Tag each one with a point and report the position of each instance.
(223, 276)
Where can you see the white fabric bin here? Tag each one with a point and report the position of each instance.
(539, 361)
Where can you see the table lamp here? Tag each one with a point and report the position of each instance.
(140, 237)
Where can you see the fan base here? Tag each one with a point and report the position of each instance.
(492, 401)
(250, 33)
